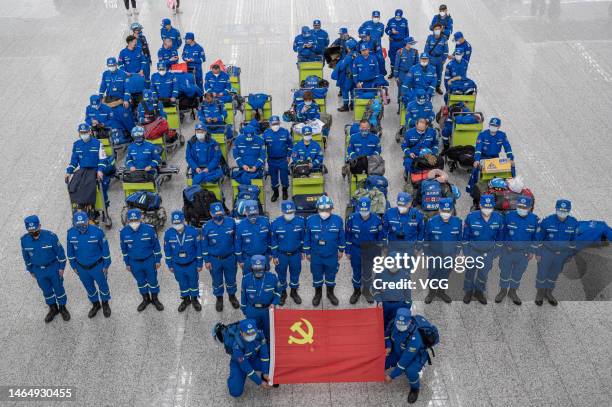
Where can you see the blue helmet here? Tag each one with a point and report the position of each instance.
(248, 326)
(458, 51)
(316, 23)
(248, 130)
(351, 44)
(111, 61)
(399, 12)
(83, 128)
(306, 131)
(424, 55)
(375, 13)
(251, 208)
(324, 202)
(161, 66)
(343, 30)
(487, 201)
(410, 40)
(138, 133)
(80, 218)
(200, 126)
(134, 215)
(425, 151)
(563, 205)
(177, 217)
(288, 207)
(364, 204)
(136, 27)
(364, 46)
(32, 223)
(258, 263)
(305, 30)
(498, 183)
(189, 36)
(363, 32)
(404, 199)
(458, 35)
(402, 317)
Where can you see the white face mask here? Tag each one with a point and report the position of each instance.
(275, 127)
(437, 31)
(493, 129)
(324, 214)
(398, 18)
(289, 216)
(522, 212)
(308, 102)
(216, 75)
(364, 214)
(376, 19)
(134, 225)
(307, 138)
(402, 209)
(445, 215)
(486, 211)
(442, 13)
(85, 137)
(179, 227)
(162, 73)
(112, 68)
(200, 136)
(424, 63)
(562, 215)
(401, 328)
(249, 338)
(458, 58)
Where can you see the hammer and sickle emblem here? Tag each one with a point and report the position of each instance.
(305, 335)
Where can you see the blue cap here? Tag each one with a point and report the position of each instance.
(305, 30)
(161, 65)
(563, 205)
(343, 30)
(147, 94)
(402, 316)
(363, 46)
(325, 202)
(458, 35)
(177, 217)
(364, 204)
(165, 22)
(410, 40)
(420, 92)
(258, 262)
(446, 204)
(362, 32)
(80, 218)
(251, 207)
(404, 199)
(316, 22)
(399, 12)
(375, 13)
(306, 131)
(274, 120)
(31, 223)
(288, 207)
(248, 326)
(351, 44)
(495, 122)
(111, 61)
(83, 127)
(94, 100)
(136, 26)
(424, 151)
(424, 55)
(200, 126)
(487, 201)
(248, 130)
(134, 214)
(458, 51)
(189, 36)
(524, 201)
(216, 207)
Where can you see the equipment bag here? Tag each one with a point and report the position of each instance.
(180, 67)
(377, 197)
(429, 334)
(428, 162)
(377, 181)
(156, 128)
(464, 86)
(170, 136)
(196, 204)
(431, 192)
(257, 100)
(144, 200)
(227, 335)
(138, 176)
(247, 193)
(464, 155)
(82, 187)
(505, 199)
(306, 204)
(376, 165)
(359, 165)
(301, 169)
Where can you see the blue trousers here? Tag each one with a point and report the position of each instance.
(51, 284)
(207, 177)
(324, 270)
(475, 279)
(412, 370)
(145, 274)
(407, 165)
(245, 177)
(278, 166)
(237, 378)
(292, 263)
(347, 93)
(438, 271)
(356, 267)
(394, 46)
(438, 63)
(223, 275)
(549, 267)
(512, 264)
(261, 317)
(188, 279)
(381, 63)
(122, 119)
(92, 277)
(390, 309)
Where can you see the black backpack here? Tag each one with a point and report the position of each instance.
(359, 165)
(306, 204)
(464, 155)
(196, 204)
(138, 176)
(301, 169)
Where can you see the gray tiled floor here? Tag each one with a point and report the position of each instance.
(550, 82)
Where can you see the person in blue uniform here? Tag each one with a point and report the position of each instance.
(250, 354)
(250, 155)
(184, 259)
(375, 30)
(305, 45)
(324, 245)
(456, 69)
(45, 260)
(397, 30)
(218, 83)
(194, 55)
(307, 151)
(218, 236)
(278, 147)
(436, 46)
(520, 244)
(421, 76)
(341, 41)
(143, 44)
(363, 144)
(404, 223)
(444, 20)
(321, 37)
(287, 238)
(97, 114)
(142, 257)
(443, 234)
(419, 138)
(141, 155)
(556, 235)
(133, 62)
(164, 85)
(113, 85)
(203, 156)
(420, 107)
(150, 108)
(344, 75)
(260, 290)
(252, 236)
(365, 68)
(169, 32)
(307, 109)
(89, 257)
(361, 227)
(406, 352)
(483, 233)
(167, 54)
(405, 58)
(462, 45)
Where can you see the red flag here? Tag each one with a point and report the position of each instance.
(321, 346)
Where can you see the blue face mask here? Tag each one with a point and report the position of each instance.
(218, 217)
(364, 133)
(139, 140)
(252, 218)
(258, 273)
(81, 227)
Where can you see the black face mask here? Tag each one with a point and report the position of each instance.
(35, 233)
(258, 274)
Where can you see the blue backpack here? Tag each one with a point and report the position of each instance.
(431, 192)
(144, 200)
(227, 335)
(463, 87)
(246, 193)
(257, 100)
(377, 181)
(429, 334)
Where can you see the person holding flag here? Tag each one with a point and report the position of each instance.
(250, 352)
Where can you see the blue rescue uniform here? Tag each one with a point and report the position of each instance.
(184, 258)
(141, 252)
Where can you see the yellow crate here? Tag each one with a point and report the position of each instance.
(159, 142)
(249, 113)
(220, 139)
(229, 108)
(465, 134)
(173, 118)
(469, 100)
(130, 187)
(495, 167)
(310, 68)
(311, 185)
(355, 181)
(235, 82)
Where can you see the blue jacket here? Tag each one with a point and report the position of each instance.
(360, 231)
(363, 146)
(415, 111)
(365, 69)
(437, 48)
(408, 227)
(324, 238)
(467, 50)
(249, 152)
(489, 146)
(344, 70)
(142, 155)
(218, 239)
(404, 60)
(102, 114)
(454, 68)
(143, 44)
(557, 235)
(245, 355)
(306, 113)
(195, 52)
(217, 84)
(420, 78)
(87, 248)
(132, 61)
(287, 237)
(401, 26)
(447, 24)
(443, 238)
(321, 39)
(169, 56)
(155, 110)
(377, 30)
(182, 248)
(482, 235)
(592, 231)
(308, 153)
(203, 154)
(173, 34)
(278, 143)
(519, 232)
(407, 347)
(42, 252)
(140, 244)
(87, 155)
(252, 238)
(212, 111)
(414, 141)
(299, 46)
(259, 291)
(113, 85)
(164, 86)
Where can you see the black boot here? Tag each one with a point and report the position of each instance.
(514, 297)
(413, 396)
(501, 295)
(95, 307)
(296, 297)
(155, 301)
(53, 311)
(480, 296)
(146, 300)
(285, 193)
(283, 298)
(390, 76)
(274, 194)
(551, 300)
(331, 296)
(219, 304)
(355, 296)
(64, 313)
(430, 296)
(344, 108)
(234, 301)
(539, 299)
(196, 304)
(316, 300)
(106, 311)
(184, 304)
(367, 294)
(467, 297)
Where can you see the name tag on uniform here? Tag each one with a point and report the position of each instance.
(247, 240)
(322, 242)
(182, 255)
